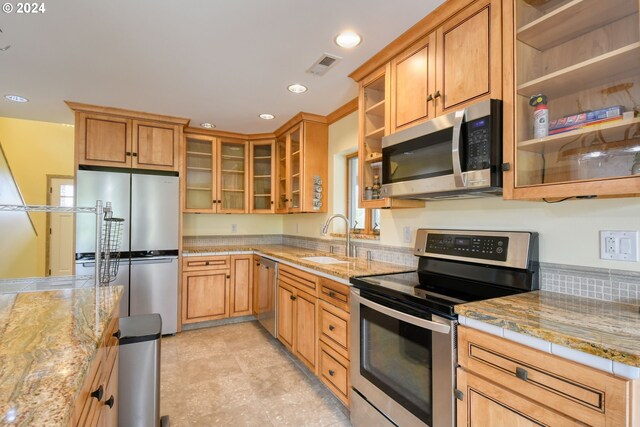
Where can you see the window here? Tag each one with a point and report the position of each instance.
(365, 221)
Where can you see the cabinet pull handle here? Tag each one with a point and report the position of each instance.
(228, 277)
(98, 393)
(206, 263)
(134, 154)
(430, 98)
(331, 327)
(293, 297)
(219, 201)
(437, 94)
(331, 372)
(128, 153)
(110, 401)
(458, 394)
(257, 264)
(332, 294)
(272, 202)
(117, 334)
(522, 374)
(214, 201)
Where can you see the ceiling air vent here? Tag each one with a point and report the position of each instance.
(322, 65)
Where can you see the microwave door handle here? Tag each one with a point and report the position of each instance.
(421, 323)
(459, 179)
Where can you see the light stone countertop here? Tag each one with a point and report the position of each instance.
(48, 340)
(293, 255)
(602, 328)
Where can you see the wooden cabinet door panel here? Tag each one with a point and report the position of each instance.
(207, 295)
(412, 74)
(155, 146)
(285, 315)
(104, 140)
(469, 59)
(305, 340)
(241, 298)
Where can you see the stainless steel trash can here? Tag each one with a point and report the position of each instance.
(139, 377)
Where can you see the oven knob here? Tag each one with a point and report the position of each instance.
(499, 250)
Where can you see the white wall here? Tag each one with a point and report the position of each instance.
(343, 140)
(568, 230)
(219, 224)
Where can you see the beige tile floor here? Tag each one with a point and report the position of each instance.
(238, 375)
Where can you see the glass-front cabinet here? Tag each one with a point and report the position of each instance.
(262, 177)
(289, 153)
(200, 177)
(233, 172)
(576, 97)
(281, 157)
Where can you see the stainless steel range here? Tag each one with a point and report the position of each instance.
(403, 325)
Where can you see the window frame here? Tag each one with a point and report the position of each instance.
(368, 212)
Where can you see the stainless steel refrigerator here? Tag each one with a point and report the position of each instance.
(148, 269)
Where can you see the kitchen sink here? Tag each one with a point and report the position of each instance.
(324, 260)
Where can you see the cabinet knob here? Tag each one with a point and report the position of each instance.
(332, 294)
(430, 98)
(219, 201)
(110, 401)
(522, 374)
(134, 154)
(117, 334)
(228, 277)
(272, 202)
(331, 372)
(293, 297)
(206, 263)
(128, 153)
(437, 94)
(257, 264)
(214, 201)
(98, 393)
(331, 327)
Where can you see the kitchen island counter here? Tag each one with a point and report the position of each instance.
(293, 255)
(605, 329)
(48, 341)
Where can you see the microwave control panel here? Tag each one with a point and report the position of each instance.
(469, 246)
(478, 144)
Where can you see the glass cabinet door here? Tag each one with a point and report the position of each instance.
(233, 174)
(295, 158)
(281, 158)
(577, 97)
(200, 155)
(373, 128)
(262, 176)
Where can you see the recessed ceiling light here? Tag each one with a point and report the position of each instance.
(16, 98)
(297, 88)
(207, 125)
(267, 116)
(348, 39)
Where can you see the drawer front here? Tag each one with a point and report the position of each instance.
(334, 328)
(334, 293)
(586, 394)
(206, 263)
(334, 372)
(86, 407)
(298, 279)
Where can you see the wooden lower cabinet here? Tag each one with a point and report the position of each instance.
(285, 310)
(216, 287)
(504, 383)
(334, 370)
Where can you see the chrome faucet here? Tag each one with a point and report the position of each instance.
(348, 223)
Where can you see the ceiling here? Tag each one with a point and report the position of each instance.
(223, 62)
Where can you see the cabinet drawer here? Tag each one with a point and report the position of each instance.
(86, 407)
(334, 293)
(334, 372)
(583, 393)
(334, 328)
(298, 279)
(206, 263)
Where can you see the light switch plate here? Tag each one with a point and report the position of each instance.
(619, 245)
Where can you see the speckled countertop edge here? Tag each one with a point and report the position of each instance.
(48, 340)
(602, 328)
(292, 255)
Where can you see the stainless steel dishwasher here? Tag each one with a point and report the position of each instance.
(266, 306)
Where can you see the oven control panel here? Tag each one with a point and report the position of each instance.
(469, 246)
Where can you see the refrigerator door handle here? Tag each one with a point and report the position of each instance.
(153, 260)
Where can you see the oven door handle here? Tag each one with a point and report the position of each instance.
(460, 180)
(421, 323)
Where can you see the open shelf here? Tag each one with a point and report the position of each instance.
(198, 153)
(262, 176)
(262, 158)
(555, 142)
(193, 168)
(262, 195)
(618, 63)
(198, 189)
(373, 159)
(229, 156)
(232, 190)
(376, 133)
(572, 20)
(231, 171)
(376, 109)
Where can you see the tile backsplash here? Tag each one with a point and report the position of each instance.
(597, 283)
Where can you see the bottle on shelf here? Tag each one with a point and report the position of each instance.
(375, 188)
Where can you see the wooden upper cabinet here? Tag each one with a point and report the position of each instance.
(262, 172)
(155, 146)
(413, 75)
(119, 138)
(233, 176)
(469, 56)
(103, 140)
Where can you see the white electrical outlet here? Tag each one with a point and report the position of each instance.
(234, 228)
(406, 234)
(619, 245)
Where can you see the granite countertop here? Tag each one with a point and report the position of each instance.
(47, 342)
(603, 328)
(292, 254)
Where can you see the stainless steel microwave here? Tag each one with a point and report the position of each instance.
(457, 155)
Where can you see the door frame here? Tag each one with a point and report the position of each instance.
(48, 225)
